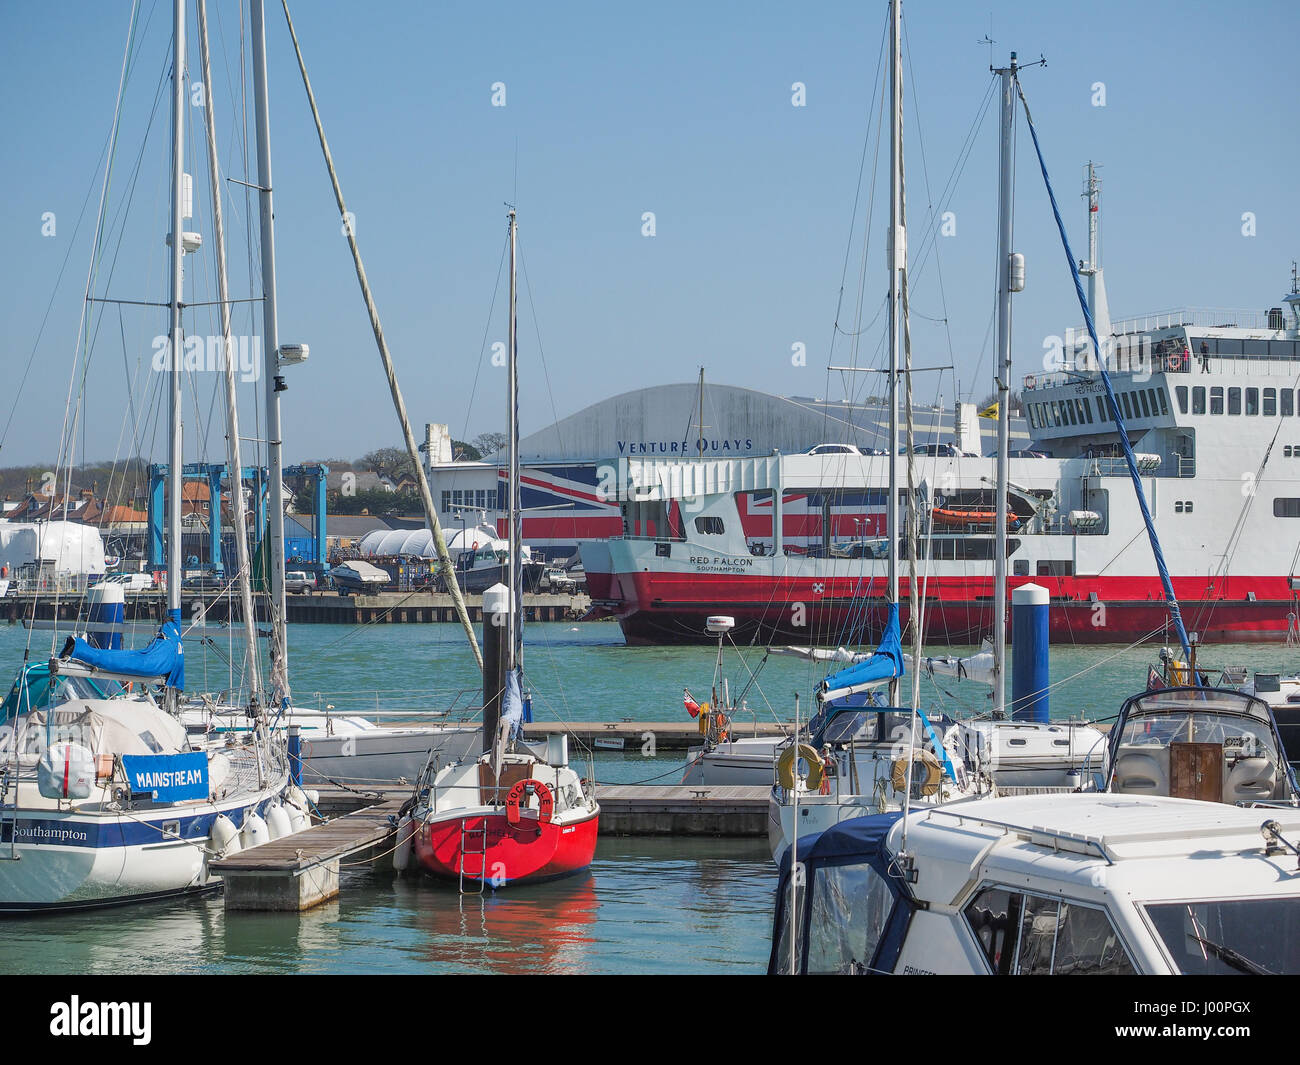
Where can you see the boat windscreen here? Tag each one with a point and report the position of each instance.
(1229, 937)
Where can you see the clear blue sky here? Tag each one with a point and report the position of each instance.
(683, 109)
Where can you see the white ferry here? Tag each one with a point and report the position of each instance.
(789, 545)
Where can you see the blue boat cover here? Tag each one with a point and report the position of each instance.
(860, 841)
(164, 657)
(887, 662)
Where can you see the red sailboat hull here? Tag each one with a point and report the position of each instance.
(487, 847)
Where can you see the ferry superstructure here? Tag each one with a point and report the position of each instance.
(789, 544)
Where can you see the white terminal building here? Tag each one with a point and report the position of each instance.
(563, 497)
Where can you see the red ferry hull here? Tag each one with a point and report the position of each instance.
(659, 608)
(529, 851)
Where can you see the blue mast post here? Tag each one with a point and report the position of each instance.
(1030, 676)
(1171, 600)
(295, 755)
(215, 473)
(157, 482)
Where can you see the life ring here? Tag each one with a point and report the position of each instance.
(1174, 363)
(1030, 381)
(932, 767)
(816, 768)
(545, 802)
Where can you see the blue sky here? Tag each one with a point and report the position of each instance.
(683, 110)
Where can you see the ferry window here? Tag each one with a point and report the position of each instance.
(1087, 410)
(1056, 413)
(1069, 411)
(1282, 349)
(1198, 400)
(1234, 401)
(709, 526)
(1270, 402)
(1159, 393)
(1081, 409)
(1146, 403)
(1033, 417)
(1252, 401)
(446, 501)
(1102, 413)
(850, 907)
(1284, 507)
(1288, 402)
(1229, 347)
(1255, 348)
(1216, 401)
(1181, 393)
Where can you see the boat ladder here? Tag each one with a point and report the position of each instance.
(473, 844)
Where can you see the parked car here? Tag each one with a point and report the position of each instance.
(299, 580)
(554, 579)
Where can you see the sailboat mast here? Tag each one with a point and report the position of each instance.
(271, 354)
(234, 456)
(175, 455)
(515, 647)
(897, 252)
(1004, 278)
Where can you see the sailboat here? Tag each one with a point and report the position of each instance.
(872, 755)
(103, 797)
(515, 813)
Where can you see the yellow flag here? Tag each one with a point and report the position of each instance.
(991, 411)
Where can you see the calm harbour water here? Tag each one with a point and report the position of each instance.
(647, 906)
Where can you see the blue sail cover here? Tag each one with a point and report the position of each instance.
(164, 657)
(887, 662)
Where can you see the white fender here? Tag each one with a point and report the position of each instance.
(405, 843)
(277, 821)
(223, 840)
(254, 832)
(299, 819)
(294, 797)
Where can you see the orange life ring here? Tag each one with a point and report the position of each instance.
(545, 802)
(1174, 363)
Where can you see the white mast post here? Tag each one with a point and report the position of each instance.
(897, 253)
(175, 455)
(1004, 279)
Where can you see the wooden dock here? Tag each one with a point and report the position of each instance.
(648, 737)
(300, 871)
(655, 810)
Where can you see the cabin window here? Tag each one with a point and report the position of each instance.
(1069, 412)
(1234, 401)
(1198, 400)
(1102, 414)
(850, 906)
(1255, 348)
(709, 525)
(1146, 403)
(1288, 403)
(1024, 934)
(1081, 409)
(1056, 567)
(1286, 507)
(1124, 403)
(1085, 410)
(1159, 393)
(1216, 401)
(1182, 506)
(1033, 417)
(1270, 402)
(1252, 401)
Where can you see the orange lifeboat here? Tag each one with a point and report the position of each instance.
(981, 516)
